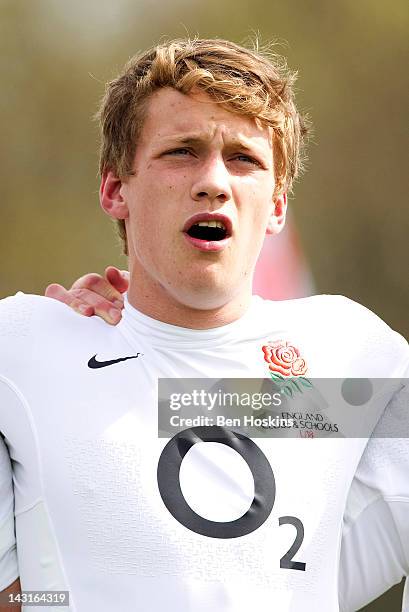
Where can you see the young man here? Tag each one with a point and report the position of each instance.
(200, 144)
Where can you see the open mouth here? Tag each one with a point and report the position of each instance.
(209, 231)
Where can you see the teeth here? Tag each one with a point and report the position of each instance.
(211, 224)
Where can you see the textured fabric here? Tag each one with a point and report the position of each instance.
(375, 551)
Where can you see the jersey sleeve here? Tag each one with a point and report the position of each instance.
(15, 315)
(375, 540)
(8, 555)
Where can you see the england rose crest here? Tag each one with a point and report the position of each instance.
(284, 358)
(286, 365)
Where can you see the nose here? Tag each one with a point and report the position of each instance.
(213, 182)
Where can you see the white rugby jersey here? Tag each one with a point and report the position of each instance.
(78, 412)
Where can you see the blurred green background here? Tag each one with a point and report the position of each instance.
(350, 208)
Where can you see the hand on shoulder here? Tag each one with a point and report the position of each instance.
(93, 294)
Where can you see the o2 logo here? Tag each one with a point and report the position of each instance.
(170, 490)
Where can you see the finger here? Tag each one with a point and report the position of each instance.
(58, 292)
(118, 278)
(101, 306)
(99, 285)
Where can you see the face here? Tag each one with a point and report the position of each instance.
(199, 202)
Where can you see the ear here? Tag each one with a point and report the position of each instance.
(111, 198)
(276, 221)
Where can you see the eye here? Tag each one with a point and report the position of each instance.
(247, 158)
(182, 151)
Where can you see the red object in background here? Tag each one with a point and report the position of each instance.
(282, 271)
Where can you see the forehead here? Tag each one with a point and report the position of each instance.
(171, 114)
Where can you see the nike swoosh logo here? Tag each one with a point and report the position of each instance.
(94, 364)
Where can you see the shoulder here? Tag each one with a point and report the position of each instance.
(343, 336)
(357, 328)
(15, 314)
(24, 315)
(33, 326)
(24, 304)
(326, 311)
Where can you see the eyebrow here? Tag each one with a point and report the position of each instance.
(200, 139)
(187, 139)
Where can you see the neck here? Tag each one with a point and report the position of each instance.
(153, 300)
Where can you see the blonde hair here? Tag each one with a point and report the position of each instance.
(255, 83)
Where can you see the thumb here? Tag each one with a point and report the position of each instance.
(117, 278)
